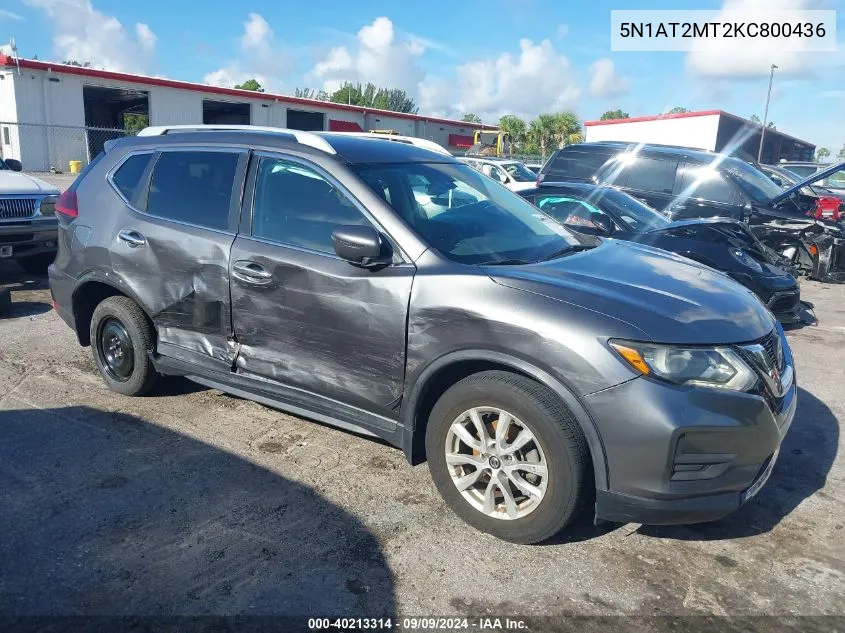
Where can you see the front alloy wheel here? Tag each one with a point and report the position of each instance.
(496, 463)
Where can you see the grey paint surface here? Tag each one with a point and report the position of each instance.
(170, 504)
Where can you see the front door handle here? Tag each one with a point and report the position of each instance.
(251, 272)
(132, 238)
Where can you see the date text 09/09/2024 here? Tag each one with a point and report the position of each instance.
(720, 29)
(423, 624)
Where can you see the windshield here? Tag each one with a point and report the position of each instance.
(519, 172)
(639, 216)
(752, 181)
(468, 218)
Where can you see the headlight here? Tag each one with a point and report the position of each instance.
(48, 206)
(743, 258)
(717, 367)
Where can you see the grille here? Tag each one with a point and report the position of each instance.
(774, 350)
(784, 303)
(12, 208)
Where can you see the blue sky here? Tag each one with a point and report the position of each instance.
(491, 57)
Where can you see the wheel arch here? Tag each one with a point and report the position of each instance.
(89, 292)
(448, 369)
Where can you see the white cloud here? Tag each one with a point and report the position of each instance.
(8, 15)
(378, 56)
(6, 49)
(538, 79)
(258, 58)
(83, 34)
(605, 81)
(713, 59)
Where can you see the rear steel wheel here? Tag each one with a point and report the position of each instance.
(115, 349)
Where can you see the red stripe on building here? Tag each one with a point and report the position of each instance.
(336, 125)
(656, 117)
(460, 140)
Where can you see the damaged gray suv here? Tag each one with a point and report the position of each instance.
(394, 292)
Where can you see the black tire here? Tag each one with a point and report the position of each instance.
(37, 264)
(5, 301)
(115, 313)
(557, 432)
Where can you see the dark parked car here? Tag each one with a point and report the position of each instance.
(688, 183)
(27, 222)
(721, 243)
(833, 182)
(524, 361)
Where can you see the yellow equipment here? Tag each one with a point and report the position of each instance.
(390, 132)
(490, 143)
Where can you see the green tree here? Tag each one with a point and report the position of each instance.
(615, 114)
(73, 62)
(678, 110)
(135, 122)
(841, 155)
(250, 84)
(516, 129)
(371, 96)
(469, 117)
(755, 119)
(567, 129)
(821, 154)
(310, 93)
(541, 133)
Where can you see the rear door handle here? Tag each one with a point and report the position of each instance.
(251, 272)
(132, 238)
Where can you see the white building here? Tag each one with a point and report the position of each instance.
(52, 113)
(714, 130)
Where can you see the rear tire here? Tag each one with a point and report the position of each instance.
(121, 336)
(539, 506)
(37, 264)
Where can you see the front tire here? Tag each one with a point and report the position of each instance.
(121, 336)
(507, 456)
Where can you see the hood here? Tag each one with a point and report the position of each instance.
(819, 175)
(670, 298)
(16, 183)
(521, 186)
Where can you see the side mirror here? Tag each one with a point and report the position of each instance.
(603, 223)
(361, 245)
(14, 165)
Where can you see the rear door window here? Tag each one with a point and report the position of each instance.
(575, 164)
(647, 174)
(127, 178)
(194, 187)
(707, 183)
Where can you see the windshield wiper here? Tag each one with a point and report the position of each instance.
(567, 250)
(504, 262)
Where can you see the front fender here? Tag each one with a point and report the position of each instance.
(411, 425)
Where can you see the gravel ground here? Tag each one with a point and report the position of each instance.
(189, 501)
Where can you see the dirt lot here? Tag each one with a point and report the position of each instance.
(189, 501)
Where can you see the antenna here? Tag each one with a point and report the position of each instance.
(14, 48)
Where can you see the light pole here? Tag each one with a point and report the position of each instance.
(766, 115)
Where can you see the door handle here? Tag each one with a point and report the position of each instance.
(132, 238)
(251, 272)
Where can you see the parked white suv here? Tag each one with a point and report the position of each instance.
(28, 225)
(511, 173)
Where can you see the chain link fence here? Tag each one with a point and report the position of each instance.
(52, 148)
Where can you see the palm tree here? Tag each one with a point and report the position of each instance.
(541, 131)
(568, 129)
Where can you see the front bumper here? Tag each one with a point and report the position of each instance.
(28, 237)
(680, 455)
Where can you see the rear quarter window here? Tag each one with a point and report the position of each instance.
(127, 178)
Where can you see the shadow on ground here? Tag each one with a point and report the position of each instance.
(15, 280)
(806, 456)
(105, 514)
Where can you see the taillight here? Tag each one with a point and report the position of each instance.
(814, 250)
(66, 204)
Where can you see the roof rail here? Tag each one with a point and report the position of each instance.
(304, 138)
(396, 138)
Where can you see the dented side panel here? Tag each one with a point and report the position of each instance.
(182, 280)
(323, 325)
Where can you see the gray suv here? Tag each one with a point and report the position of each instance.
(395, 292)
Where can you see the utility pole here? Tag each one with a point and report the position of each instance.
(766, 116)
